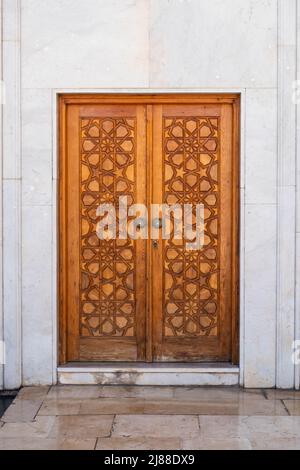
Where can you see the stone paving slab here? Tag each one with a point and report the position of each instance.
(151, 418)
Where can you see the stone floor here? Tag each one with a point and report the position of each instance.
(151, 418)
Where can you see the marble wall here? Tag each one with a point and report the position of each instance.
(1, 251)
(106, 45)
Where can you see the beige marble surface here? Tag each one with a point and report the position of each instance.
(151, 418)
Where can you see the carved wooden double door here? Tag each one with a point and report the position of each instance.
(124, 299)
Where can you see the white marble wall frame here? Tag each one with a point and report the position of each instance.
(150, 45)
(297, 323)
(1, 211)
(286, 192)
(12, 221)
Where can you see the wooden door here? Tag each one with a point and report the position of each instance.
(148, 300)
(102, 281)
(192, 296)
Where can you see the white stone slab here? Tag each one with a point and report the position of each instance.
(11, 15)
(242, 311)
(12, 282)
(36, 120)
(261, 146)
(260, 295)
(213, 43)
(287, 36)
(54, 285)
(157, 374)
(11, 110)
(286, 286)
(37, 147)
(297, 309)
(37, 331)
(84, 44)
(1, 239)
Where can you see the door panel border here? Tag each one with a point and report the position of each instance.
(66, 99)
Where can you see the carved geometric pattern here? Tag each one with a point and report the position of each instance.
(108, 148)
(191, 278)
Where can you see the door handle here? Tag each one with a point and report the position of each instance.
(155, 244)
(157, 223)
(140, 223)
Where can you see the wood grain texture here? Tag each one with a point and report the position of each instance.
(133, 300)
(105, 300)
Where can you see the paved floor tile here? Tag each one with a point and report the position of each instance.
(112, 406)
(151, 418)
(216, 394)
(223, 427)
(155, 426)
(39, 428)
(86, 426)
(250, 406)
(22, 411)
(116, 391)
(47, 444)
(138, 443)
(282, 394)
(262, 427)
(74, 391)
(271, 443)
(54, 407)
(247, 405)
(216, 444)
(33, 393)
(293, 407)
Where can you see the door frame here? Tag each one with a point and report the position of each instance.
(63, 100)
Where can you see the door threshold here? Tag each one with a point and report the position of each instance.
(187, 374)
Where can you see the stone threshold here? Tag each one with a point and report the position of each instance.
(148, 374)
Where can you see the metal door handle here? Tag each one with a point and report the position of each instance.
(140, 223)
(155, 243)
(157, 223)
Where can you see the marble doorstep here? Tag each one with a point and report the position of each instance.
(149, 374)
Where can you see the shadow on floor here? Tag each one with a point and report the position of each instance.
(6, 398)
